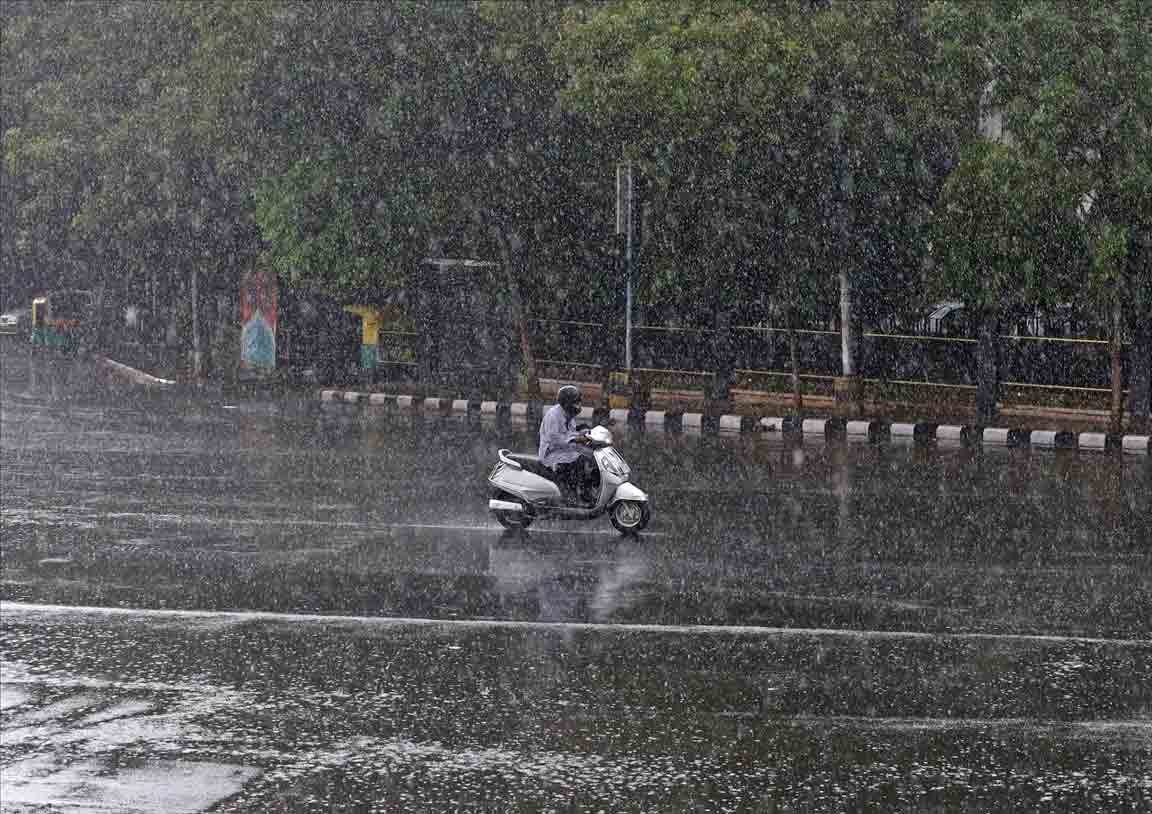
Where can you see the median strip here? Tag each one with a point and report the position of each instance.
(873, 430)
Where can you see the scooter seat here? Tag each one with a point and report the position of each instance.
(531, 463)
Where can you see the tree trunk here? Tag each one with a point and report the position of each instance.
(1116, 413)
(519, 314)
(720, 396)
(531, 374)
(1140, 376)
(849, 340)
(987, 366)
(513, 260)
(197, 339)
(607, 358)
(794, 358)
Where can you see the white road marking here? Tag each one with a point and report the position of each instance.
(9, 610)
(204, 520)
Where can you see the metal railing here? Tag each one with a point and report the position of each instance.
(1046, 363)
(760, 356)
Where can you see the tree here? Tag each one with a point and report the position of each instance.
(804, 108)
(114, 179)
(1000, 241)
(296, 101)
(49, 117)
(453, 141)
(1070, 84)
(1078, 98)
(696, 94)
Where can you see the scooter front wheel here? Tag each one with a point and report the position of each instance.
(630, 515)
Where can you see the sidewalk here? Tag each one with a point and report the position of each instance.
(748, 411)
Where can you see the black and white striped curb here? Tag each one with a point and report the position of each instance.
(808, 428)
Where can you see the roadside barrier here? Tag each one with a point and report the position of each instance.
(820, 429)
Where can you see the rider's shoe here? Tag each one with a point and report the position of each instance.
(581, 500)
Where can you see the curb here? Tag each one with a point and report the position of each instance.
(815, 429)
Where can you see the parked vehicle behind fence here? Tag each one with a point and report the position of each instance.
(16, 322)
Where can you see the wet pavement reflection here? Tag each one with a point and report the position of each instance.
(385, 514)
(307, 609)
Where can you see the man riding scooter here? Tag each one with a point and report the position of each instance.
(564, 444)
(527, 487)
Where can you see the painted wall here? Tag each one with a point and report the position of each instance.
(258, 314)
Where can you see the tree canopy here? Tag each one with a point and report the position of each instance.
(793, 153)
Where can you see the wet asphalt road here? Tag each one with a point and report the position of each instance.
(235, 610)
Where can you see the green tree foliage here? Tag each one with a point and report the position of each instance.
(695, 92)
(787, 143)
(1071, 85)
(329, 227)
(309, 108)
(49, 122)
(114, 178)
(375, 134)
(794, 152)
(1000, 236)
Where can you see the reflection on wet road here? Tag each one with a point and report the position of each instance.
(208, 508)
(814, 627)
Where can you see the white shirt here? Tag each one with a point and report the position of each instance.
(556, 433)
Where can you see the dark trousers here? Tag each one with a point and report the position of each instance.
(570, 477)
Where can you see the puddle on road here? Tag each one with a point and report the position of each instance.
(64, 708)
(160, 787)
(127, 709)
(12, 697)
(86, 745)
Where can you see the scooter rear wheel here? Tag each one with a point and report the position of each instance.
(512, 520)
(629, 516)
(507, 519)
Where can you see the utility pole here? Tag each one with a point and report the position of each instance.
(626, 226)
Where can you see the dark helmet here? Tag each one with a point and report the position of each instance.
(568, 396)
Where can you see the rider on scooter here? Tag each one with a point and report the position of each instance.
(564, 444)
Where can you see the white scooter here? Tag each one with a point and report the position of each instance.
(523, 489)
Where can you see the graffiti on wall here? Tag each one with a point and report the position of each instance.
(258, 322)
